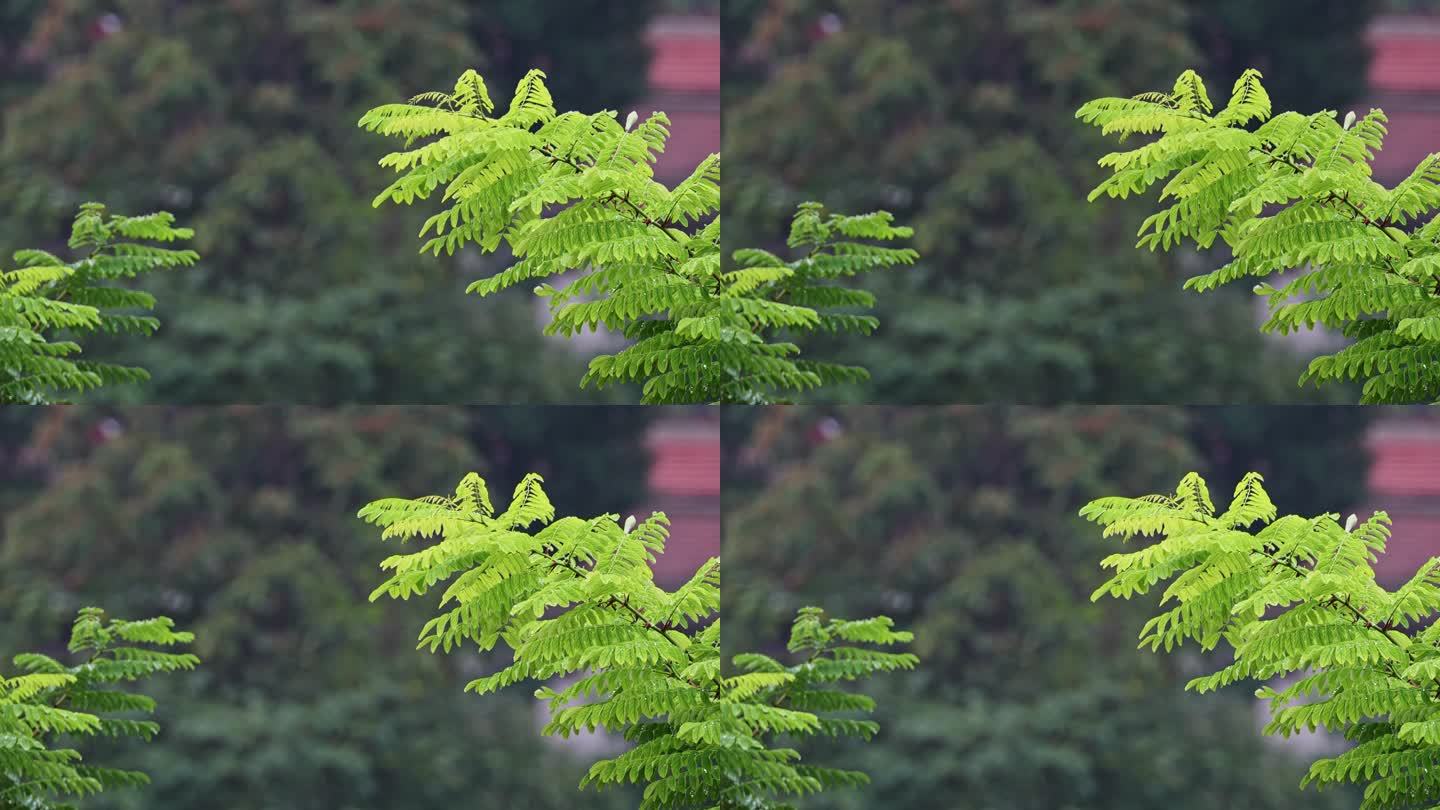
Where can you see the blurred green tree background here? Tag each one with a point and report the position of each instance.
(958, 117)
(239, 523)
(959, 522)
(239, 117)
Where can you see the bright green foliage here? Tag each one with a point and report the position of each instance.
(45, 294)
(576, 598)
(50, 699)
(570, 191)
(1296, 598)
(1294, 192)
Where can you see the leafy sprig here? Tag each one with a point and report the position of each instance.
(46, 295)
(50, 700)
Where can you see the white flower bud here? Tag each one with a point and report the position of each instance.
(635, 116)
(1350, 523)
(629, 524)
(1349, 119)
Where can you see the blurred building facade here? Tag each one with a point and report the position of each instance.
(685, 84)
(1405, 82)
(685, 485)
(1404, 482)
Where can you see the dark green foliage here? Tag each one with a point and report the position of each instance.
(566, 192)
(1294, 192)
(1295, 598)
(50, 701)
(46, 294)
(595, 49)
(16, 71)
(1309, 444)
(737, 75)
(956, 522)
(238, 522)
(575, 599)
(1315, 51)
